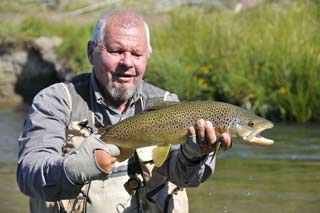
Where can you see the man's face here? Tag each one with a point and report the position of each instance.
(120, 62)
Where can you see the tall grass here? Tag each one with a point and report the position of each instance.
(266, 59)
(75, 36)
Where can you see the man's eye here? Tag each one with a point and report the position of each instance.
(136, 54)
(115, 51)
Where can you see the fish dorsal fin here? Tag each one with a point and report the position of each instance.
(160, 154)
(158, 103)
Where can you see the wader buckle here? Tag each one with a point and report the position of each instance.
(132, 184)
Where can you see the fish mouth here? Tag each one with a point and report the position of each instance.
(259, 140)
(256, 139)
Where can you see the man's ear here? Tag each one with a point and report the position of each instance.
(90, 49)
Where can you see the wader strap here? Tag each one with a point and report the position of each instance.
(69, 96)
(139, 106)
(134, 165)
(78, 92)
(150, 194)
(169, 198)
(134, 183)
(77, 205)
(61, 207)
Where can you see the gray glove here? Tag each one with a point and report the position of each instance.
(195, 150)
(80, 165)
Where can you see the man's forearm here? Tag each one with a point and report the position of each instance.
(45, 179)
(40, 171)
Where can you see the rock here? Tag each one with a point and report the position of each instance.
(27, 68)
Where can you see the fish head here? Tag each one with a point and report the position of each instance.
(247, 128)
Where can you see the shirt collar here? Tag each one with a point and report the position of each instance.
(96, 89)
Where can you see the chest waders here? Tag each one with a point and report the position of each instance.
(137, 186)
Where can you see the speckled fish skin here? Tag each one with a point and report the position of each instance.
(169, 125)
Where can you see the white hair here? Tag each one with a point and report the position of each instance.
(99, 30)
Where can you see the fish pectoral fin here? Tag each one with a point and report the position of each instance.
(125, 153)
(160, 154)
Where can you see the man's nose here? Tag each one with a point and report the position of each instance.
(126, 59)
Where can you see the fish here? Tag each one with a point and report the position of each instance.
(166, 126)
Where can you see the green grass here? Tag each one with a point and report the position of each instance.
(265, 59)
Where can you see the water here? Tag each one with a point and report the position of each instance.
(11, 199)
(282, 178)
(292, 142)
(10, 127)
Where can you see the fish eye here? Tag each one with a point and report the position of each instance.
(251, 124)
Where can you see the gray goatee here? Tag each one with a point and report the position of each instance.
(120, 94)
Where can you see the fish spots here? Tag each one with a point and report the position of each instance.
(170, 124)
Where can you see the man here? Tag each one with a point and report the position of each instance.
(65, 168)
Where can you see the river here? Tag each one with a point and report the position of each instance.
(282, 178)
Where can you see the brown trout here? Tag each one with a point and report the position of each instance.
(169, 125)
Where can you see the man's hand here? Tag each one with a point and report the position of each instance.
(202, 140)
(105, 161)
(93, 160)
